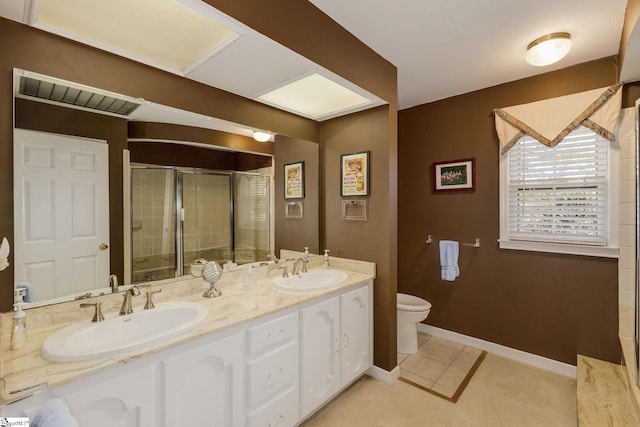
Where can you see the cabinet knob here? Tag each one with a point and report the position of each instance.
(276, 422)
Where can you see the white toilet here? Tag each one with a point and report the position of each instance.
(411, 310)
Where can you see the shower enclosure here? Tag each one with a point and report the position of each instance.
(180, 215)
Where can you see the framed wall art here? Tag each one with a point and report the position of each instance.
(294, 180)
(454, 175)
(354, 174)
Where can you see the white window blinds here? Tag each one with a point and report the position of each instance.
(559, 194)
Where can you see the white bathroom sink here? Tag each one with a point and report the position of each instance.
(313, 280)
(91, 340)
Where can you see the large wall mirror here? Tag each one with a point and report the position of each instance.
(118, 185)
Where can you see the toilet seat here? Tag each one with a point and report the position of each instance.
(412, 303)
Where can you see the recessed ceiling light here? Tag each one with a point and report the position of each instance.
(315, 96)
(165, 33)
(548, 49)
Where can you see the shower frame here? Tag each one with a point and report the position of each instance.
(179, 171)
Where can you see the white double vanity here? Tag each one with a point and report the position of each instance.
(262, 356)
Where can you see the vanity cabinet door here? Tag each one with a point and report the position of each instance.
(320, 353)
(124, 401)
(355, 319)
(203, 387)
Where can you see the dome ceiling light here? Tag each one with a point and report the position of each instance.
(262, 136)
(548, 49)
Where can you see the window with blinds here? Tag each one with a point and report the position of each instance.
(559, 194)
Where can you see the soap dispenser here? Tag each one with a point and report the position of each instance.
(325, 259)
(19, 329)
(306, 253)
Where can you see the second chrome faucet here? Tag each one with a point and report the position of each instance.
(126, 307)
(304, 262)
(133, 291)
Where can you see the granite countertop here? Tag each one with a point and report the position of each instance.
(25, 367)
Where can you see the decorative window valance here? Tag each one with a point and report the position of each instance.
(550, 120)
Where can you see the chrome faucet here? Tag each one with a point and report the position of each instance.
(126, 303)
(97, 317)
(149, 305)
(304, 266)
(272, 257)
(113, 283)
(285, 274)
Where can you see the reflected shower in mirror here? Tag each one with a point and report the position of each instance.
(181, 215)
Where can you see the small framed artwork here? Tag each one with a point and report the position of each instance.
(354, 174)
(294, 180)
(454, 175)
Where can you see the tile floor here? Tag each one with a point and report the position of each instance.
(440, 366)
(501, 393)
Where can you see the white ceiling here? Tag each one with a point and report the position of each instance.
(444, 48)
(441, 48)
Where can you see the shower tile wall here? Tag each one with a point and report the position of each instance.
(627, 223)
(153, 224)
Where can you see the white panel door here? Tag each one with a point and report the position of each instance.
(320, 353)
(61, 188)
(355, 319)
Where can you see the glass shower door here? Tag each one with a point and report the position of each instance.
(153, 226)
(251, 217)
(206, 218)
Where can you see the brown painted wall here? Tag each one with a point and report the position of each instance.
(295, 234)
(158, 153)
(631, 17)
(368, 240)
(552, 305)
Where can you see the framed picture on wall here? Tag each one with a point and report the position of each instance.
(294, 180)
(354, 174)
(454, 175)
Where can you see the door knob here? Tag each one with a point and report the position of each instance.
(103, 246)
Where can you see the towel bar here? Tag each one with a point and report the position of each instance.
(475, 244)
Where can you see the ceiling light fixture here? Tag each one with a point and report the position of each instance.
(261, 136)
(316, 96)
(548, 49)
(172, 35)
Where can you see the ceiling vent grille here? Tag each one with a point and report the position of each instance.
(62, 94)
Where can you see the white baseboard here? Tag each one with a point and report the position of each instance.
(500, 350)
(387, 377)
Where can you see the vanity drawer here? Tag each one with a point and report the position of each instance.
(273, 334)
(282, 412)
(272, 373)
